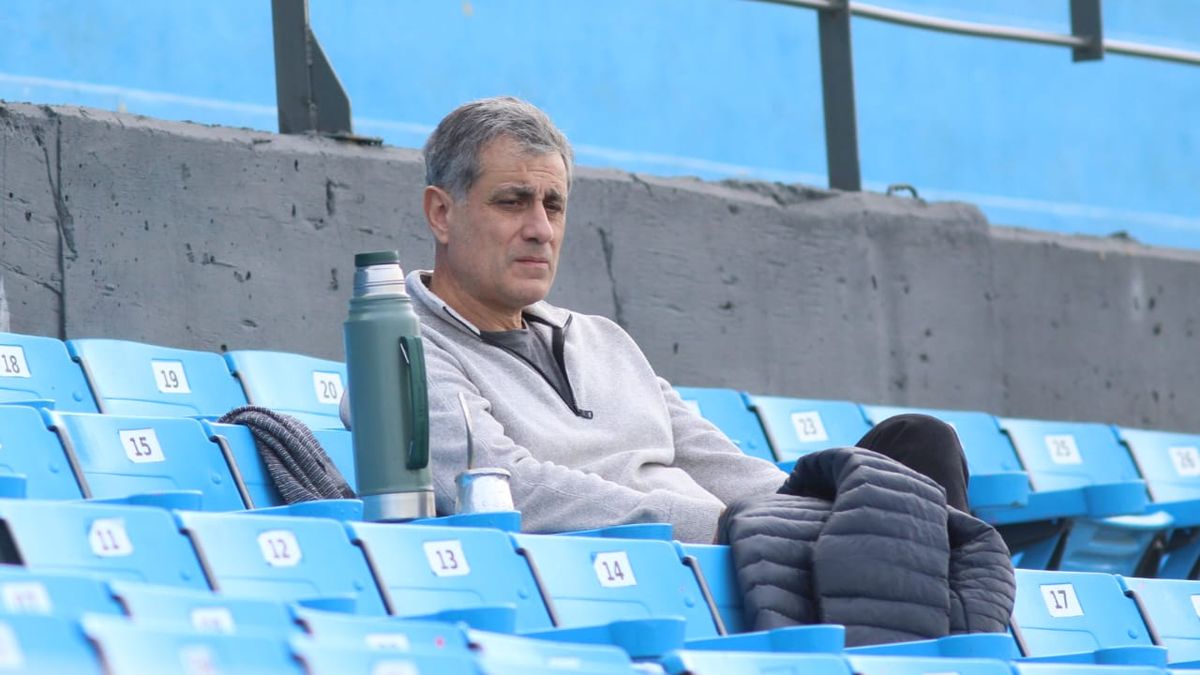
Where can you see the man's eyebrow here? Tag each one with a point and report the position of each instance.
(521, 191)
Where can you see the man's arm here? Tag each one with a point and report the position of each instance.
(711, 459)
(551, 497)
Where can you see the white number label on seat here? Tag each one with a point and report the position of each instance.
(12, 361)
(1063, 449)
(141, 445)
(11, 657)
(280, 548)
(213, 620)
(1186, 460)
(613, 569)
(198, 660)
(109, 539)
(328, 387)
(1196, 604)
(446, 558)
(1061, 601)
(27, 597)
(388, 642)
(170, 377)
(809, 427)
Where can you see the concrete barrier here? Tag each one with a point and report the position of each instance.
(213, 238)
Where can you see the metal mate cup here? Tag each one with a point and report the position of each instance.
(484, 491)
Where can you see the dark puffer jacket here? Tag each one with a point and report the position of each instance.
(857, 539)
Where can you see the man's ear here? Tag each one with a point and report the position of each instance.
(437, 204)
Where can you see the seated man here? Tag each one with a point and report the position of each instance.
(566, 402)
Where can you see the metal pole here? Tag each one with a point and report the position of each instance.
(837, 88)
(1086, 23)
(308, 94)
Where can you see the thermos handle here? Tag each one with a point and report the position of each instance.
(413, 354)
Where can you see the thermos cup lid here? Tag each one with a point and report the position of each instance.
(376, 258)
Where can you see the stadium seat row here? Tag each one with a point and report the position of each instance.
(1103, 498)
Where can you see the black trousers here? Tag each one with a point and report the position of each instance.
(927, 445)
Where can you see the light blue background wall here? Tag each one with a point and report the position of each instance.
(714, 88)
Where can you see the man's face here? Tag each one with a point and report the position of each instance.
(503, 237)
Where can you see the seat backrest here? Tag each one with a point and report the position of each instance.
(133, 647)
(1169, 463)
(797, 426)
(335, 659)
(121, 456)
(238, 444)
(29, 448)
(595, 580)
(425, 569)
(715, 564)
(281, 557)
(204, 611)
(46, 644)
(987, 448)
(135, 543)
(24, 591)
(374, 632)
(915, 665)
(1061, 455)
(1172, 608)
(134, 378)
(1071, 612)
(500, 653)
(691, 662)
(729, 411)
(40, 369)
(304, 387)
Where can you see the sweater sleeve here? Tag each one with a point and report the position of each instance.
(550, 497)
(712, 460)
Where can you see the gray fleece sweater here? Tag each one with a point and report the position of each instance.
(629, 451)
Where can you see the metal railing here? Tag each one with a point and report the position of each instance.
(1086, 42)
(310, 98)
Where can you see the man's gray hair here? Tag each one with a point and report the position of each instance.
(452, 151)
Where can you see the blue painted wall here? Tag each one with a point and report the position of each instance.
(714, 88)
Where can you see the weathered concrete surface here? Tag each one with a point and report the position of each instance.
(210, 238)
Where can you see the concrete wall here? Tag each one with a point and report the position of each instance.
(214, 238)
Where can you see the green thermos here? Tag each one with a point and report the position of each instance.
(389, 405)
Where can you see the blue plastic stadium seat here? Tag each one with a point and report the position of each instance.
(797, 426)
(521, 656)
(282, 557)
(46, 644)
(133, 378)
(29, 449)
(1171, 610)
(335, 659)
(135, 543)
(909, 665)
(383, 633)
(304, 387)
(688, 662)
(129, 647)
(1027, 668)
(237, 444)
(714, 564)
(121, 456)
(1170, 465)
(595, 581)
(1083, 614)
(998, 481)
(204, 611)
(24, 591)
(1118, 529)
(466, 573)
(39, 370)
(729, 411)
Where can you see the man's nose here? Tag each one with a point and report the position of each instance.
(537, 226)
